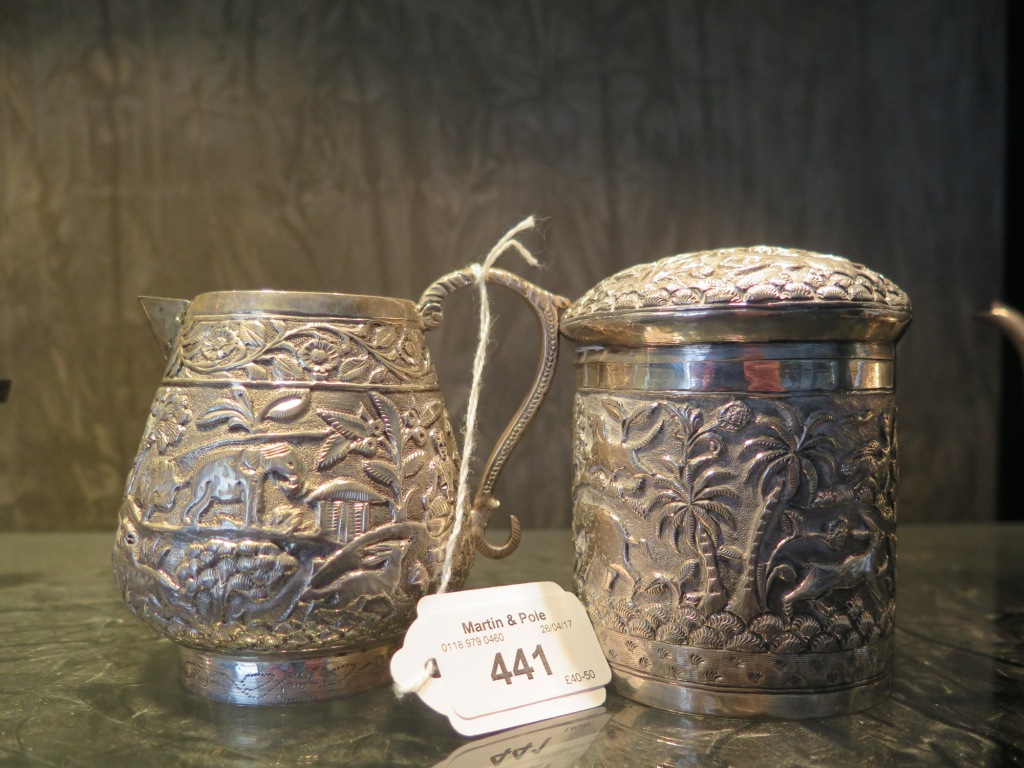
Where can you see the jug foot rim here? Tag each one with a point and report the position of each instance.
(254, 680)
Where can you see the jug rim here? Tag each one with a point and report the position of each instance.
(306, 304)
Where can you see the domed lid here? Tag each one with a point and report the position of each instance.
(760, 293)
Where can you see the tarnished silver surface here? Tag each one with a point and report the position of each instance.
(293, 494)
(735, 500)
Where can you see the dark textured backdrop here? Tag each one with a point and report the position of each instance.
(173, 148)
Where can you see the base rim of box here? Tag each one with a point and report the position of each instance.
(790, 705)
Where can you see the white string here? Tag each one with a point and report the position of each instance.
(484, 337)
(469, 437)
(414, 686)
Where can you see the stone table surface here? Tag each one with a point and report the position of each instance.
(83, 684)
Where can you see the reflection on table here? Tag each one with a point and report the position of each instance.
(84, 684)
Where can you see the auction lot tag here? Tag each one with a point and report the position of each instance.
(507, 656)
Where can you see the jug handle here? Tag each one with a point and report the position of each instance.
(547, 306)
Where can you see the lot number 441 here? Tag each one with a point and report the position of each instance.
(520, 666)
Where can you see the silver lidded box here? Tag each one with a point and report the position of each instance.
(735, 477)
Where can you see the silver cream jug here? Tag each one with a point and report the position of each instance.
(735, 480)
(293, 494)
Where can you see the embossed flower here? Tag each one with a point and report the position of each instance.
(170, 413)
(378, 429)
(415, 426)
(735, 416)
(319, 357)
(221, 345)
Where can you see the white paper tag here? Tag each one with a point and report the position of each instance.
(507, 656)
(555, 743)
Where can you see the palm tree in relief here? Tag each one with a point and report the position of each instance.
(689, 501)
(791, 457)
(691, 508)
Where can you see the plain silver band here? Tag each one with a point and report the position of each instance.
(673, 326)
(328, 306)
(739, 368)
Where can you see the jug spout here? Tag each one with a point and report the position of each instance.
(165, 318)
(1010, 320)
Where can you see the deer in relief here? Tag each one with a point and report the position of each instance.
(819, 578)
(377, 575)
